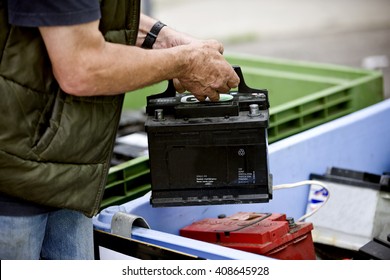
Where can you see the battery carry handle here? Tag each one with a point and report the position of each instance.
(242, 87)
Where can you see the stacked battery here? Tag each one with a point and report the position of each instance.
(271, 235)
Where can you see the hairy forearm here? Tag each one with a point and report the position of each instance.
(84, 64)
(122, 68)
(92, 66)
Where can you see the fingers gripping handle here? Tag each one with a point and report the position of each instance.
(242, 87)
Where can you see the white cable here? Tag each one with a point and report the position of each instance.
(303, 183)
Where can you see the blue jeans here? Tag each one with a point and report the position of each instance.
(60, 235)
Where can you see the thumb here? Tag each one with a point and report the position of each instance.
(178, 86)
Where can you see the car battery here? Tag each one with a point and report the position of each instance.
(208, 152)
(271, 235)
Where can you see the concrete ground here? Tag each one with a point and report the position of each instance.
(347, 32)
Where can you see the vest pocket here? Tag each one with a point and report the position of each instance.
(81, 129)
(51, 126)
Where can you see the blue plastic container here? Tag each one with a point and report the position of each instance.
(359, 141)
(173, 242)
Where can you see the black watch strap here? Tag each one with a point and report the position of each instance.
(152, 35)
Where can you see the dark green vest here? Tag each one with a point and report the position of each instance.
(55, 148)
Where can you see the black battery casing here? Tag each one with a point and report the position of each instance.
(208, 153)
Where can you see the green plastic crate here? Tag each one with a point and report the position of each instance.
(126, 182)
(302, 94)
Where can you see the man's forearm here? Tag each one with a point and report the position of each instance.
(85, 64)
(123, 68)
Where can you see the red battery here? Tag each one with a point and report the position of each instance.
(271, 235)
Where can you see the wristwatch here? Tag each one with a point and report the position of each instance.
(152, 35)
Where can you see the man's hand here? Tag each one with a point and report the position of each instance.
(207, 73)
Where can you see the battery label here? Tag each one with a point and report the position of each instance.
(246, 177)
(192, 99)
(167, 100)
(205, 180)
